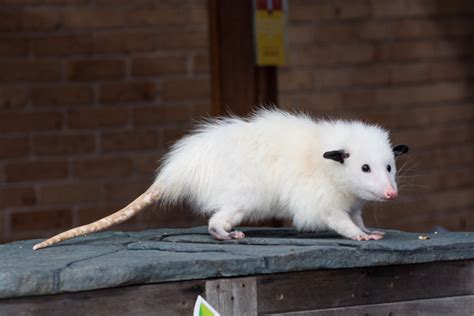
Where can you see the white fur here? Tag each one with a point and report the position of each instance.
(271, 166)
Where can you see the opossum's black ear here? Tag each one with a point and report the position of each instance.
(400, 150)
(336, 155)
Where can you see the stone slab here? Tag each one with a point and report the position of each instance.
(112, 259)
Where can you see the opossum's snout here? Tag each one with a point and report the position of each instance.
(390, 193)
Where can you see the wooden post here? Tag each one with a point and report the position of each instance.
(233, 297)
(237, 84)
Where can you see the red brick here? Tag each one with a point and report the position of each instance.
(62, 45)
(127, 3)
(450, 179)
(295, 80)
(29, 19)
(13, 47)
(95, 69)
(124, 42)
(126, 141)
(200, 63)
(333, 55)
(300, 35)
(326, 102)
(405, 8)
(102, 168)
(202, 109)
(10, 21)
(36, 170)
(62, 95)
(69, 193)
(125, 191)
(420, 28)
(436, 136)
(302, 11)
(17, 196)
(13, 97)
(161, 115)
(402, 50)
(168, 15)
(153, 66)
(146, 164)
(369, 75)
(96, 118)
(29, 121)
(182, 40)
(89, 18)
(182, 89)
(172, 134)
(359, 99)
(40, 20)
(422, 116)
(13, 147)
(130, 91)
(455, 199)
(424, 49)
(15, 3)
(436, 92)
(430, 71)
(64, 144)
(38, 220)
(436, 159)
(30, 70)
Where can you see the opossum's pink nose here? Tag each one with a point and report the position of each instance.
(390, 194)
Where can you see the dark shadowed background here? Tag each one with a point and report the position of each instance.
(92, 92)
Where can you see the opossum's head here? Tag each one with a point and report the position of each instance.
(366, 166)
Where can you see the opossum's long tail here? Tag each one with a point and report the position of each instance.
(148, 197)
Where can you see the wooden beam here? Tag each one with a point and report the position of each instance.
(458, 305)
(237, 84)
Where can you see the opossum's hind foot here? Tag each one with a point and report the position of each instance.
(368, 237)
(222, 222)
(221, 234)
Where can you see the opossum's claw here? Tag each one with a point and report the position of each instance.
(236, 234)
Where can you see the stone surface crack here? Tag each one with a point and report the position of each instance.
(57, 273)
(90, 258)
(178, 250)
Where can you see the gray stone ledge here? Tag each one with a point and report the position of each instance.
(111, 259)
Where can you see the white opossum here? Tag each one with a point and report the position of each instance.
(274, 164)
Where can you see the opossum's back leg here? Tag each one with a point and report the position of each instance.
(222, 222)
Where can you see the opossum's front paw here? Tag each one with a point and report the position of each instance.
(368, 237)
(236, 234)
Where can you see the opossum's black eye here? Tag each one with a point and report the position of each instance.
(389, 168)
(366, 168)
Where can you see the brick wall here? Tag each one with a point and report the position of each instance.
(91, 94)
(409, 65)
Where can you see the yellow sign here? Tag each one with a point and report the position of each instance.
(270, 32)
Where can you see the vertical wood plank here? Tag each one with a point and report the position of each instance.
(233, 297)
(238, 85)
